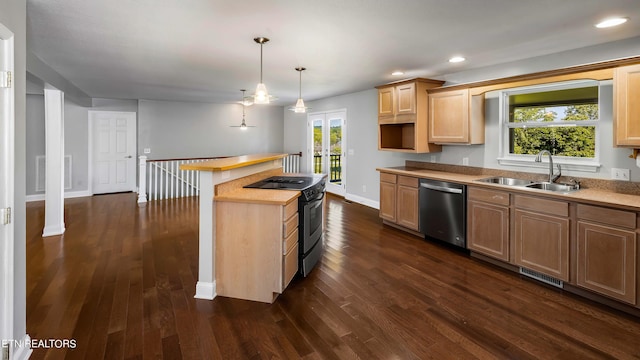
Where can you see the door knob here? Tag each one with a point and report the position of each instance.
(128, 157)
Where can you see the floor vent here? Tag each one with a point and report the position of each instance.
(542, 277)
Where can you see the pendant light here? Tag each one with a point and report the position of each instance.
(300, 108)
(262, 95)
(245, 103)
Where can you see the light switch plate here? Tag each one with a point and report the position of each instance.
(620, 174)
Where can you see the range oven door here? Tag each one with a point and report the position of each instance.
(310, 234)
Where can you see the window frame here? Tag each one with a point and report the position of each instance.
(567, 162)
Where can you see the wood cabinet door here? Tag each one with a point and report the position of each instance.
(407, 207)
(606, 261)
(542, 243)
(488, 229)
(449, 117)
(406, 99)
(627, 107)
(385, 102)
(388, 201)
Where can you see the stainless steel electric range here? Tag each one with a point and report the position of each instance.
(312, 188)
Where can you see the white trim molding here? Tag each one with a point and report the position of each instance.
(205, 290)
(363, 201)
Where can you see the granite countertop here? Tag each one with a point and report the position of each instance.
(259, 196)
(592, 196)
(233, 162)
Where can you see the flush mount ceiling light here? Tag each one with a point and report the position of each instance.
(457, 59)
(611, 22)
(262, 95)
(397, 73)
(300, 108)
(243, 125)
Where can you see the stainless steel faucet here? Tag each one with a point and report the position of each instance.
(552, 177)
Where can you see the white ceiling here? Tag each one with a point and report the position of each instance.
(203, 50)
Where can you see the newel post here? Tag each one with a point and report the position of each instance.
(142, 182)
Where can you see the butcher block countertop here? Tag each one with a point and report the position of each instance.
(259, 196)
(584, 195)
(233, 162)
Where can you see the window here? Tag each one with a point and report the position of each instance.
(562, 118)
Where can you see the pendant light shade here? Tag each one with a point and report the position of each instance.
(261, 95)
(300, 108)
(244, 102)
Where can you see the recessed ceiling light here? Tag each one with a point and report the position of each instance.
(397, 73)
(610, 22)
(457, 59)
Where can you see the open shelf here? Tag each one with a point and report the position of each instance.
(398, 136)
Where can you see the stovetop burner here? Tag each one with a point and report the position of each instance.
(310, 185)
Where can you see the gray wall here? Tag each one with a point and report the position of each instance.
(76, 143)
(174, 129)
(14, 17)
(362, 130)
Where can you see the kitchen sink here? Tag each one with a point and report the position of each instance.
(553, 187)
(500, 180)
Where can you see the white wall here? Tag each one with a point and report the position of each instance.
(363, 132)
(173, 129)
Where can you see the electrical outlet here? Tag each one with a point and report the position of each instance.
(147, 150)
(465, 161)
(620, 174)
(433, 158)
(364, 188)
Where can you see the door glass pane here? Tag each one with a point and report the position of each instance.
(335, 151)
(317, 146)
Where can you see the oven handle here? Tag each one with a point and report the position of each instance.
(441, 188)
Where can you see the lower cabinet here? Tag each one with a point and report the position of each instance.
(399, 200)
(388, 196)
(256, 249)
(488, 222)
(606, 252)
(542, 236)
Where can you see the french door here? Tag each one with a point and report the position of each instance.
(328, 148)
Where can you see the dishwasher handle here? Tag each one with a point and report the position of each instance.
(441, 188)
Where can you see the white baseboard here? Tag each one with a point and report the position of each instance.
(362, 200)
(22, 352)
(205, 290)
(67, 195)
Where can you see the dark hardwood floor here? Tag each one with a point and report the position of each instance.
(121, 283)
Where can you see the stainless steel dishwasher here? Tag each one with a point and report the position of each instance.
(443, 211)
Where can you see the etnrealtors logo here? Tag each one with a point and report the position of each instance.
(41, 343)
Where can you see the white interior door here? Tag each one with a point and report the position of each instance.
(7, 135)
(328, 144)
(113, 144)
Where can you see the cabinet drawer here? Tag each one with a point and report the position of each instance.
(290, 209)
(489, 196)
(290, 225)
(408, 181)
(388, 178)
(289, 241)
(290, 266)
(608, 216)
(551, 207)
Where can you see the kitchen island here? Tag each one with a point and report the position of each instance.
(223, 177)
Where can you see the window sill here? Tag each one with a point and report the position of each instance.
(591, 166)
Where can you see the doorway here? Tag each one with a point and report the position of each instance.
(7, 170)
(328, 143)
(112, 142)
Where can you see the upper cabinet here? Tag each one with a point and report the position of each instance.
(456, 117)
(403, 114)
(627, 107)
